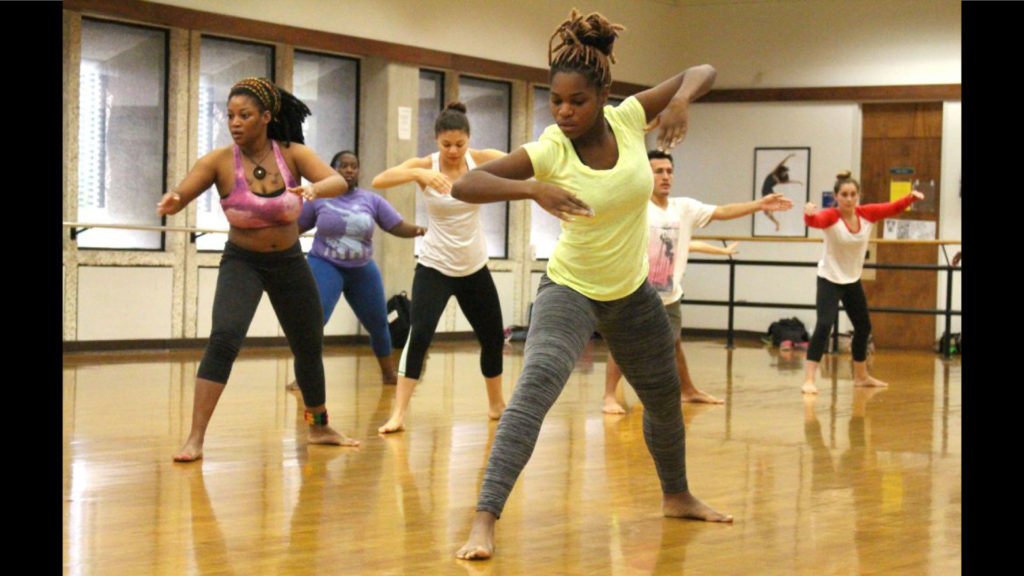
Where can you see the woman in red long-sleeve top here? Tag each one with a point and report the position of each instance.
(847, 229)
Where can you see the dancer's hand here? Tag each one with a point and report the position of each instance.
(776, 201)
(560, 203)
(810, 209)
(169, 204)
(673, 122)
(307, 191)
(917, 195)
(434, 179)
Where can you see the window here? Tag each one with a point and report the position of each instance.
(121, 133)
(544, 228)
(431, 102)
(329, 85)
(489, 109)
(222, 63)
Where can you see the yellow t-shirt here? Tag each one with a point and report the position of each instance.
(603, 257)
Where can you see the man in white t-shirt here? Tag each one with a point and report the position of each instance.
(672, 222)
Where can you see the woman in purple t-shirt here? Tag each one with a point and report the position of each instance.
(342, 254)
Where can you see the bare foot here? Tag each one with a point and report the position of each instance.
(700, 397)
(686, 505)
(480, 544)
(292, 386)
(394, 424)
(327, 435)
(612, 406)
(870, 381)
(809, 388)
(495, 411)
(190, 452)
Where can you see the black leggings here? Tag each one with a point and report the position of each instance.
(856, 305)
(478, 299)
(285, 276)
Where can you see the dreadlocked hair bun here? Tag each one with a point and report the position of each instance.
(584, 44)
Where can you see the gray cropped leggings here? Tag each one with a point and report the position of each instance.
(636, 330)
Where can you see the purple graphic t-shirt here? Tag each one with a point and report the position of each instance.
(344, 226)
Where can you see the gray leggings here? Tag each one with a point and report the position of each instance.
(636, 330)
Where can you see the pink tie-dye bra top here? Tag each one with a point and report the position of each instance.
(246, 209)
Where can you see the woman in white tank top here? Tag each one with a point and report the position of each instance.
(452, 261)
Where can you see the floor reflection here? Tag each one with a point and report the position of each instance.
(852, 481)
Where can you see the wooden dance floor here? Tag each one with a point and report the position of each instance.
(855, 482)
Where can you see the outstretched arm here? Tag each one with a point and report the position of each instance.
(816, 218)
(876, 212)
(667, 105)
(705, 248)
(507, 178)
(773, 202)
(781, 164)
(199, 178)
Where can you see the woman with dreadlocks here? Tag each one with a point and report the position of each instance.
(262, 201)
(590, 170)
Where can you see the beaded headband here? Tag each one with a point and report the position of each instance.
(264, 90)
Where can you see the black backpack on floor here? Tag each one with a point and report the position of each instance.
(787, 329)
(399, 313)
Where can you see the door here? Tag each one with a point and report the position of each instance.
(900, 141)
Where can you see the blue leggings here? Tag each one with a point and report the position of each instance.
(638, 334)
(363, 291)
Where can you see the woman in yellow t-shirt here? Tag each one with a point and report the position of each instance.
(590, 169)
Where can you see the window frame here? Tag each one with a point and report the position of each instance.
(272, 76)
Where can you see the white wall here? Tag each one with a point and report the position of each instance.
(951, 207)
(754, 43)
(715, 164)
(121, 303)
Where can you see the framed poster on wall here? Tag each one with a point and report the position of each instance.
(787, 171)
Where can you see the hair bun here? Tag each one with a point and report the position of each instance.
(602, 43)
(456, 106)
(843, 174)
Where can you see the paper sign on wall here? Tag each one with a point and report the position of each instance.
(896, 229)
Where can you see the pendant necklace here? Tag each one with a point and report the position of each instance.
(259, 172)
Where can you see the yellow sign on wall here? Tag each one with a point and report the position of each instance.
(898, 189)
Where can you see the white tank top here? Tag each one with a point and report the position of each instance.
(454, 244)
